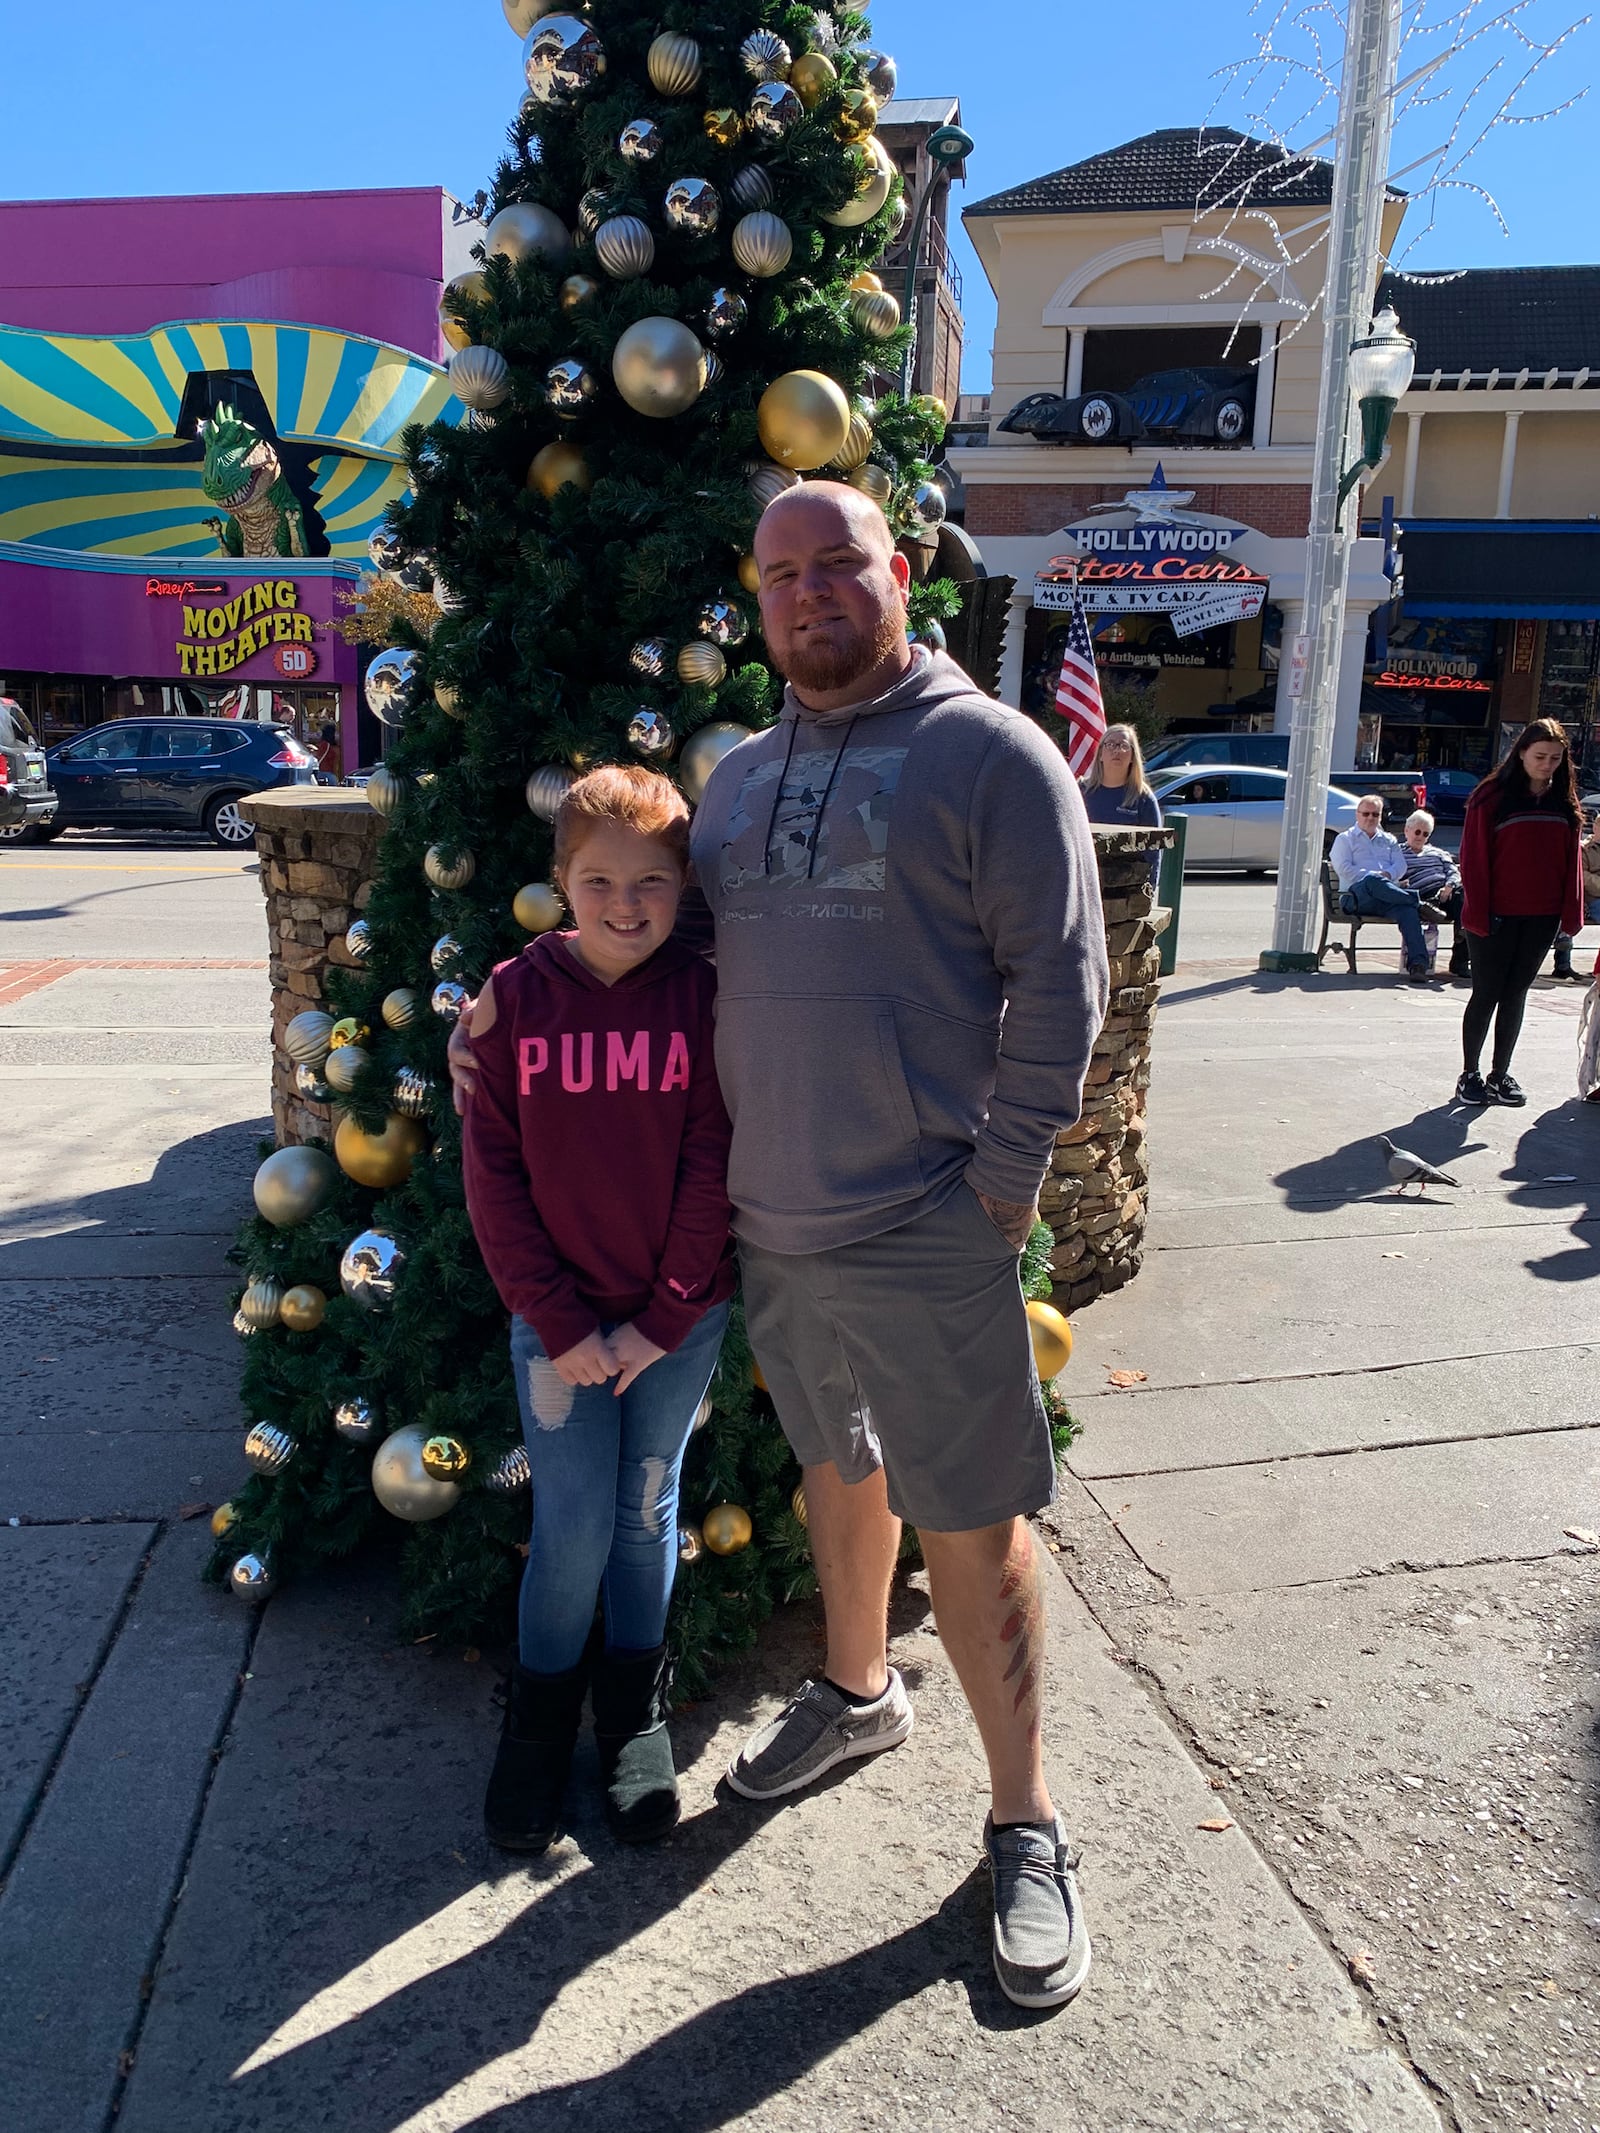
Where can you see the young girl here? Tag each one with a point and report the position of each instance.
(1522, 883)
(596, 1150)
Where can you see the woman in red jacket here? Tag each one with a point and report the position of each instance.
(1522, 883)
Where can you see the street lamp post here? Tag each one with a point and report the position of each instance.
(946, 146)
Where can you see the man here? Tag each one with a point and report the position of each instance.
(911, 976)
(1437, 880)
(1370, 865)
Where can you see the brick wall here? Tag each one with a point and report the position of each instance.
(1279, 509)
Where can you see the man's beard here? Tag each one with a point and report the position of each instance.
(829, 667)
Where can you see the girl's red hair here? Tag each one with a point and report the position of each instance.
(631, 796)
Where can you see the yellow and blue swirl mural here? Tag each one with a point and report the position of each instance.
(91, 458)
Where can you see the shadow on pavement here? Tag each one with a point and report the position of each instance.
(1356, 1170)
(1556, 1163)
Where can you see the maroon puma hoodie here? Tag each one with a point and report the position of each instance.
(596, 1146)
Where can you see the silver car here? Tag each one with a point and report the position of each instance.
(1236, 815)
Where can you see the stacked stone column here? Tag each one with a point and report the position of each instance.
(1094, 1198)
(318, 845)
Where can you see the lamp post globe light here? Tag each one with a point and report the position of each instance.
(1381, 365)
(946, 145)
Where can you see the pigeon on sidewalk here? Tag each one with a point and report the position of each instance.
(1408, 1169)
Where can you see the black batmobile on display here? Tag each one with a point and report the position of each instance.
(1172, 406)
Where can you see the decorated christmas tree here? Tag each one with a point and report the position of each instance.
(675, 319)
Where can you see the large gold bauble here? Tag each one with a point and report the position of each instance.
(876, 312)
(1051, 1337)
(261, 1303)
(872, 481)
(448, 873)
(537, 907)
(860, 114)
(701, 666)
(293, 1185)
(446, 1458)
(749, 573)
(472, 287)
(381, 1160)
(762, 244)
(403, 1485)
(727, 1528)
(223, 1520)
(345, 1068)
(399, 1009)
(524, 230)
(385, 789)
(872, 192)
(803, 419)
(858, 444)
(866, 279)
(704, 750)
(659, 366)
(302, 1308)
(811, 76)
(674, 65)
(559, 466)
(723, 127)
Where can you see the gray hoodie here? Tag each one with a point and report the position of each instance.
(911, 961)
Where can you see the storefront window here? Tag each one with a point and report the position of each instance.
(1567, 684)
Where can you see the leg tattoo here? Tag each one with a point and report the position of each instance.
(1023, 1627)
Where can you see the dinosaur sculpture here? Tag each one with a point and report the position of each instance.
(244, 475)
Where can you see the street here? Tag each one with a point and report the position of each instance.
(1324, 1678)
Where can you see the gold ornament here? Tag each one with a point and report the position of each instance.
(871, 193)
(559, 466)
(309, 1037)
(659, 366)
(448, 698)
(356, 1420)
(268, 1449)
(466, 288)
(876, 312)
(673, 62)
(866, 279)
(765, 481)
(860, 114)
(691, 1544)
(260, 1304)
(930, 404)
(811, 76)
(385, 789)
(293, 1185)
(704, 750)
(525, 230)
(448, 873)
(722, 128)
(757, 1379)
(872, 481)
(348, 1031)
(223, 1520)
(445, 1458)
(302, 1308)
(762, 244)
(399, 1009)
(578, 293)
(523, 14)
(726, 1528)
(536, 907)
(803, 419)
(403, 1485)
(797, 1504)
(625, 247)
(1051, 1337)
(380, 1160)
(749, 573)
(701, 666)
(344, 1068)
(858, 444)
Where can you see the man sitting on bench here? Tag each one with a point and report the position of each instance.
(1437, 880)
(1370, 864)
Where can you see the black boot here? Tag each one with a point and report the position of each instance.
(1562, 966)
(522, 1807)
(1460, 956)
(630, 1731)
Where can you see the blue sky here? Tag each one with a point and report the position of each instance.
(180, 96)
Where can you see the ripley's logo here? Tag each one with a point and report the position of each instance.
(184, 588)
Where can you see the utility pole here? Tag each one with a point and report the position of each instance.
(1360, 171)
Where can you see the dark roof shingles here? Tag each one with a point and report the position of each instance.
(1180, 168)
(1501, 318)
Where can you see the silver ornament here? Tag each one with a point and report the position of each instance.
(725, 314)
(445, 597)
(650, 734)
(260, 1304)
(547, 788)
(511, 1473)
(448, 873)
(722, 622)
(569, 386)
(715, 367)
(370, 1271)
(268, 1449)
(344, 1068)
(412, 1093)
(928, 504)
(415, 576)
(691, 1544)
(242, 1325)
(592, 210)
(880, 74)
(648, 660)
(640, 141)
(356, 1420)
(624, 247)
(384, 790)
(309, 1037)
(480, 377)
(704, 750)
(449, 1000)
(385, 550)
(673, 62)
(252, 1577)
(358, 941)
(403, 1485)
(762, 244)
(765, 479)
(701, 666)
(310, 1084)
(824, 36)
(773, 110)
(446, 955)
(692, 207)
(751, 188)
(765, 56)
(561, 57)
(930, 634)
(525, 230)
(393, 686)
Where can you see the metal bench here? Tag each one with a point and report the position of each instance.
(1332, 916)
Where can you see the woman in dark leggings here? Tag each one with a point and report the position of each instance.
(1522, 883)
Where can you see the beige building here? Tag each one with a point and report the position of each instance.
(1157, 307)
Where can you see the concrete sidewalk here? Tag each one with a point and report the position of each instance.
(1320, 1591)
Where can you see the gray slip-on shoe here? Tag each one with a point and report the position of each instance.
(1041, 1944)
(816, 1730)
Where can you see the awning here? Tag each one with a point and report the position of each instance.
(1542, 571)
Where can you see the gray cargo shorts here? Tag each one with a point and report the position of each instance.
(909, 1351)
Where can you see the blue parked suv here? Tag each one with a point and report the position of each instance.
(170, 773)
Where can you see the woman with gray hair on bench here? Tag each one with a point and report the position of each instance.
(1437, 880)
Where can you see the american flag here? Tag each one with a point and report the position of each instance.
(1078, 695)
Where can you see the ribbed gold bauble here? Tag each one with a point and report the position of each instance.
(380, 1160)
(308, 1038)
(872, 481)
(871, 193)
(558, 466)
(260, 1304)
(659, 367)
(876, 312)
(302, 1308)
(797, 1504)
(701, 666)
(762, 244)
(384, 789)
(536, 907)
(803, 419)
(749, 573)
(704, 750)
(674, 63)
(857, 445)
(866, 279)
(293, 1185)
(727, 1528)
(399, 1009)
(578, 293)
(811, 76)
(524, 230)
(447, 871)
(344, 1068)
(1051, 1337)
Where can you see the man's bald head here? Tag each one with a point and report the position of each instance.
(833, 592)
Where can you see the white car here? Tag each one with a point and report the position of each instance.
(1236, 815)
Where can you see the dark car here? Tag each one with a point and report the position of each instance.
(1448, 793)
(1400, 790)
(1197, 406)
(172, 773)
(25, 795)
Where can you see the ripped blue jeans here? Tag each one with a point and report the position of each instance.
(605, 1496)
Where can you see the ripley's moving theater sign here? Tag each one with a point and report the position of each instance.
(220, 634)
(1148, 556)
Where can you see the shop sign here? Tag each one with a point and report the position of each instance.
(1525, 636)
(1182, 572)
(1437, 652)
(220, 637)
